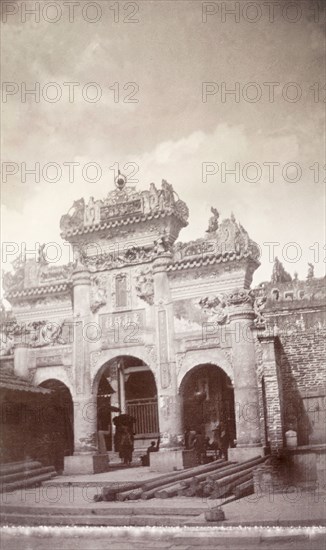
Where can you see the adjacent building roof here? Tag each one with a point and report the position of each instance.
(9, 381)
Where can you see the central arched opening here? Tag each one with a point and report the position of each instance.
(126, 385)
(56, 432)
(208, 399)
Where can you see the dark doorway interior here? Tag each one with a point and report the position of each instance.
(57, 437)
(208, 397)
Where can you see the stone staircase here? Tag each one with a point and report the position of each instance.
(28, 473)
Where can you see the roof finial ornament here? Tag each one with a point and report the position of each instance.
(120, 181)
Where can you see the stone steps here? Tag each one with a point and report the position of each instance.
(27, 474)
(120, 510)
(94, 519)
(13, 467)
(20, 475)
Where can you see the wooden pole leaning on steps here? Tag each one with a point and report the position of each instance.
(236, 468)
(202, 479)
(168, 492)
(203, 485)
(223, 487)
(193, 487)
(167, 478)
(152, 489)
(178, 476)
(244, 489)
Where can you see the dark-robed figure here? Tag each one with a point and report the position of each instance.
(124, 437)
(221, 440)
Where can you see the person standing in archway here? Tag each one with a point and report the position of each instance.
(224, 440)
(221, 440)
(200, 448)
(126, 446)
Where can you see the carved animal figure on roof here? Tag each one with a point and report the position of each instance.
(213, 221)
(75, 216)
(279, 274)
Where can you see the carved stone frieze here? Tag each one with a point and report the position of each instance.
(214, 307)
(109, 260)
(98, 292)
(239, 297)
(259, 305)
(39, 334)
(152, 354)
(145, 285)
(121, 278)
(125, 202)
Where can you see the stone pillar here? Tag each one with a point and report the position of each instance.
(122, 389)
(21, 360)
(85, 425)
(85, 459)
(272, 392)
(115, 399)
(246, 397)
(169, 406)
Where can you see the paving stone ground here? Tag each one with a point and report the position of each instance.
(161, 538)
(296, 507)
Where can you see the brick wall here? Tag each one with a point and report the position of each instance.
(301, 359)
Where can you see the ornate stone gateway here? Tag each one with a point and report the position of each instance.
(135, 291)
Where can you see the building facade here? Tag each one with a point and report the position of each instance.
(167, 331)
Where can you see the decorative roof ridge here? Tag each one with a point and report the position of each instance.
(210, 259)
(41, 289)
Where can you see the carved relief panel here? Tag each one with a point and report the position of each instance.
(121, 291)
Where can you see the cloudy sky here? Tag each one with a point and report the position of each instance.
(148, 63)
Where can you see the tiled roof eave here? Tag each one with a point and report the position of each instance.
(118, 222)
(39, 291)
(205, 260)
(21, 386)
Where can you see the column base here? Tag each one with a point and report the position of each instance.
(85, 464)
(171, 460)
(240, 454)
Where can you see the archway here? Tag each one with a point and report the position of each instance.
(208, 397)
(57, 432)
(126, 385)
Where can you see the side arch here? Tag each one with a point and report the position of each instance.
(99, 361)
(213, 357)
(208, 406)
(59, 374)
(56, 428)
